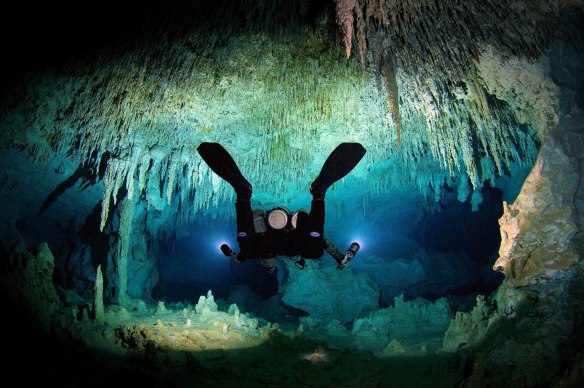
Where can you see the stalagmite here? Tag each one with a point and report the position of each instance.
(98, 303)
(124, 232)
(467, 329)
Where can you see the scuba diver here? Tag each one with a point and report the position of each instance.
(266, 235)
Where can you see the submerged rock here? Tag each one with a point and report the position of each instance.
(327, 294)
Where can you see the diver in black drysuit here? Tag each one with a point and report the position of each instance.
(299, 235)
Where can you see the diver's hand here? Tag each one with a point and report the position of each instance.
(345, 262)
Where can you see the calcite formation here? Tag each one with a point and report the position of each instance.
(98, 304)
(421, 85)
(467, 329)
(535, 311)
(326, 293)
(415, 327)
(32, 281)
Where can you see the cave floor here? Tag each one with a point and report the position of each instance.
(164, 351)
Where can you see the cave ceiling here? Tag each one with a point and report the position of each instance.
(424, 85)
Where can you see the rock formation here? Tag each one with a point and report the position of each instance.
(327, 294)
(30, 281)
(98, 305)
(452, 99)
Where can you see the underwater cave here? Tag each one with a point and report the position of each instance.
(467, 205)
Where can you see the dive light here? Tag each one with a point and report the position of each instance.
(229, 253)
(226, 250)
(351, 252)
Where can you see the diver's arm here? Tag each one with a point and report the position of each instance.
(245, 225)
(342, 259)
(333, 251)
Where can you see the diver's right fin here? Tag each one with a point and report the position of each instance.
(339, 163)
(222, 164)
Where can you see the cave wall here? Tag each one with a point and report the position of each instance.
(532, 331)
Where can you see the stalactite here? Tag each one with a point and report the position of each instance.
(107, 190)
(136, 155)
(389, 78)
(143, 168)
(171, 178)
(344, 12)
(150, 107)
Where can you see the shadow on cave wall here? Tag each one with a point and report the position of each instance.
(472, 235)
(456, 228)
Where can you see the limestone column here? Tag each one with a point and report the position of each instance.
(121, 259)
(99, 309)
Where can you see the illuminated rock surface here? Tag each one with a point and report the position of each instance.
(468, 205)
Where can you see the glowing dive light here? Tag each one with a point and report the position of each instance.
(351, 252)
(229, 253)
(226, 250)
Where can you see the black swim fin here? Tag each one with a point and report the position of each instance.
(339, 163)
(222, 164)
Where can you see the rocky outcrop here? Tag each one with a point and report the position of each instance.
(534, 328)
(467, 329)
(415, 326)
(30, 281)
(326, 293)
(207, 304)
(538, 230)
(408, 323)
(525, 85)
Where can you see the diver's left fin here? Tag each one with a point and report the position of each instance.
(222, 164)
